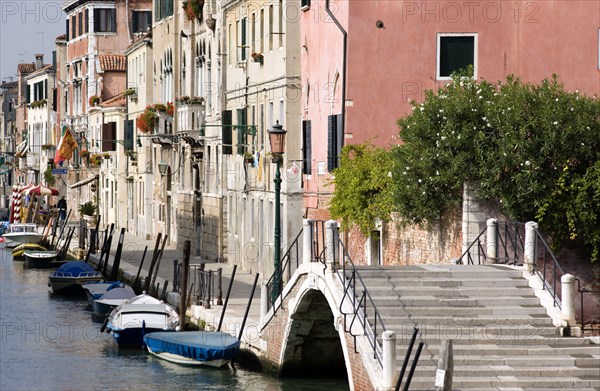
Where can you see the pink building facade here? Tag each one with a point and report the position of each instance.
(396, 50)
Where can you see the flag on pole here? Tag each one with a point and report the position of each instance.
(66, 146)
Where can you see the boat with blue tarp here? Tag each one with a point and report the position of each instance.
(212, 348)
(71, 276)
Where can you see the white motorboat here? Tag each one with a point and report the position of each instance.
(130, 321)
(21, 233)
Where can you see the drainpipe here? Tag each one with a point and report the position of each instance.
(345, 60)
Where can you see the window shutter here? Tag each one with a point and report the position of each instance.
(28, 94)
(106, 137)
(226, 132)
(241, 131)
(134, 21)
(307, 148)
(73, 27)
(129, 134)
(243, 48)
(67, 28)
(87, 21)
(331, 142)
(339, 140)
(54, 99)
(96, 20)
(113, 20)
(80, 23)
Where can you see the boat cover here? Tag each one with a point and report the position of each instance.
(75, 268)
(197, 345)
(98, 289)
(119, 293)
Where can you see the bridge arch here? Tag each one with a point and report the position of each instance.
(314, 343)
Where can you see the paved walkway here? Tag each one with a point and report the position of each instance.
(133, 249)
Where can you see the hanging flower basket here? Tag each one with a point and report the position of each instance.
(94, 100)
(193, 9)
(145, 122)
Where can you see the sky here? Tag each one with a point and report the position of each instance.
(28, 27)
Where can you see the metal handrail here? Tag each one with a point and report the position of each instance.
(510, 249)
(547, 253)
(286, 264)
(359, 307)
(82, 274)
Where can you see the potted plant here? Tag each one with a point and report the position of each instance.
(130, 92)
(94, 100)
(145, 122)
(95, 160)
(193, 9)
(248, 157)
(88, 211)
(106, 155)
(46, 147)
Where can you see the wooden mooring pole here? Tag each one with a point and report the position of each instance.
(184, 281)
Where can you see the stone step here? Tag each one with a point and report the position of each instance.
(430, 358)
(478, 383)
(446, 282)
(506, 370)
(454, 270)
(467, 349)
(489, 312)
(461, 292)
(417, 301)
(449, 326)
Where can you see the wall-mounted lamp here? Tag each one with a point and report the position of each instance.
(163, 167)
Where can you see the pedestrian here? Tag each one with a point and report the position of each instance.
(62, 208)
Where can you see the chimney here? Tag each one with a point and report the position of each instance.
(39, 61)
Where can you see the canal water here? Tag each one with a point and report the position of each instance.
(50, 343)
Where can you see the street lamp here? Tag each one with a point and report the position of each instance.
(277, 139)
(162, 168)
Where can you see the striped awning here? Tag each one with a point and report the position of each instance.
(21, 150)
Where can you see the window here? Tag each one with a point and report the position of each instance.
(243, 36)
(455, 52)
(87, 20)
(262, 30)
(141, 21)
(226, 132)
(242, 121)
(163, 8)
(304, 5)
(109, 135)
(73, 27)
(335, 141)
(271, 27)
(253, 37)
(306, 148)
(105, 20)
(67, 29)
(280, 32)
(80, 23)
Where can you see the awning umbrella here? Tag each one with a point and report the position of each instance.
(41, 190)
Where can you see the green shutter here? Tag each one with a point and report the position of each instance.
(226, 130)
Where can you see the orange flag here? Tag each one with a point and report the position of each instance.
(66, 146)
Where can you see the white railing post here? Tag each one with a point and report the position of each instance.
(568, 299)
(264, 304)
(330, 244)
(530, 245)
(389, 359)
(307, 230)
(492, 241)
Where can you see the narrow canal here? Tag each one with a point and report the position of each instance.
(50, 343)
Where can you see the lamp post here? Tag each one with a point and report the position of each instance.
(277, 139)
(162, 168)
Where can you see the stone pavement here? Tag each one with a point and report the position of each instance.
(133, 249)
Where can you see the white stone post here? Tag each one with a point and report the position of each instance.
(389, 359)
(530, 245)
(568, 299)
(330, 245)
(264, 303)
(492, 241)
(307, 230)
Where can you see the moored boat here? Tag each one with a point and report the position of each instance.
(71, 276)
(212, 348)
(95, 290)
(19, 251)
(130, 321)
(39, 259)
(111, 299)
(21, 233)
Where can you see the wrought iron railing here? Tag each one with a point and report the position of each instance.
(510, 250)
(510, 247)
(363, 308)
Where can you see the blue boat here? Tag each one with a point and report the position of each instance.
(130, 321)
(212, 348)
(111, 299)
(71, 276)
